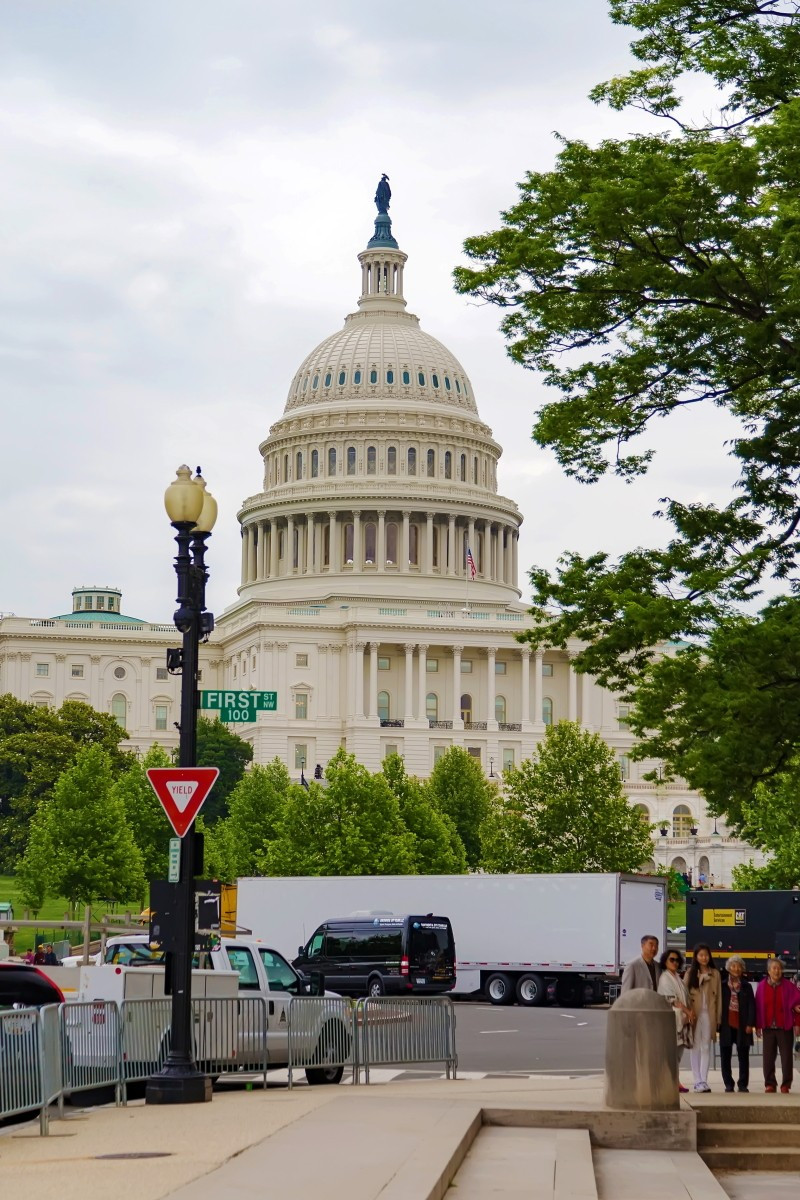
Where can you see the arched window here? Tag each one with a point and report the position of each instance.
(342, 378)
(463, 474)
(326, 544)
(391, 460)
(390, 376)
(372, 460)
(286, 468)
(391, 543)
(431, 460)
(369, 543)
(357, 377)
(373, 376)
(547, 710)
(296, 548)
(421, 378)
(458, 387)
(384, 706)
(119, 709)
(411, 461)
(413, 545)
(447, 382)
(315, 382)
(448, 465)
(681, 821)
(314, 464)
(348, 542)
(298, 468)
(328, 379)
(500, 709)
(643, 811)
(435, 551)
(332, 461)
(475, 470)
(435, 380)
(406, 378)
(351, 460)
(432, 706)
(466, 707)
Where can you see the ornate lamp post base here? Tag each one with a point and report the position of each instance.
(178, 1088)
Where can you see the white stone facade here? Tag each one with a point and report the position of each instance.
(357, 604)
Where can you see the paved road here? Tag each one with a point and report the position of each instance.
(549, 1040)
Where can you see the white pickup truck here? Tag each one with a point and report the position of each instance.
(262, 972)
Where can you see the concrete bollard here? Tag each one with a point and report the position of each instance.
(641, 1053)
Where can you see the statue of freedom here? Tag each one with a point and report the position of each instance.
(383, 195)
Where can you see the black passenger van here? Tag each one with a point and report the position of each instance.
(382, 955)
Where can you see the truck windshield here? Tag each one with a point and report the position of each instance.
(134, 954)
(282, 977)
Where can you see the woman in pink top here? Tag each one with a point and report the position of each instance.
(777, 1002)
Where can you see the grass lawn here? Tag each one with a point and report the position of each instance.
(676, 913)
(52, 912)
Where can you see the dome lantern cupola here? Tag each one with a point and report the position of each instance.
(382, 262)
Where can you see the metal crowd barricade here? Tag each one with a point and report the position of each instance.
(321, 1034)
(144, 1039)
(614, 990)
(52, 1055)
(90, 1033)
(393, 1031)
(21, 1067)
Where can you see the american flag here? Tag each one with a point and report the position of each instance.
(471, 564)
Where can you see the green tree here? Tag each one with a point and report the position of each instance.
(218, 746)
(769, 822)
(564, 810)
(144, 812)
(350, 827)
(460, 790)
(92, 849)
(438, 848)
(34, 873)
(256, 809)
(658, 274)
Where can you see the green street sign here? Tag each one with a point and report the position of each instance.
(239, 706)
(174, 860)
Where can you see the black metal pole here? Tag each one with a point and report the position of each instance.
(179, 1081)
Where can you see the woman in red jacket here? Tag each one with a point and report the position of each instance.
(777, 1001)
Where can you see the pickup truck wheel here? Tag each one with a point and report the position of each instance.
(531, 991)
(327, 1048)
(500, 989)
(375, 986)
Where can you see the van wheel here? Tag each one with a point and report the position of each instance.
(375, 986)
(570, 991)
(500, 989)
(531, 991)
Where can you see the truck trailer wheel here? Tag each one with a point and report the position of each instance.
(500, 989)
(570, 991)
(531, 991)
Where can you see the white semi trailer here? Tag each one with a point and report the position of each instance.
(517, 936)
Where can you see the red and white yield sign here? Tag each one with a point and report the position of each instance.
(182, 792)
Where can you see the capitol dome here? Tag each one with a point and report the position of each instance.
(380, 465)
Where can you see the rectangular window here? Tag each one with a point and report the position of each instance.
(77, 670)
(623, 713)
(432, 665)
(300, 755)
(161, 716)
(301, 660)
(301, 706)
(547, 668)
(101, 601)
(384, 664)
(77, 602)
(624, 766)
(387, 750)
(42, 670)
(475, 751)
(162, 673)
(466, 666)
(500, 668)
(438, 752)
(508, 758)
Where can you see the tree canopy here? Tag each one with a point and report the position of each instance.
(218, 746)
(460, 790)
(654, 274)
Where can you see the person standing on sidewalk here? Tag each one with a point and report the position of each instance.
(737, 1024)
(642, 972)
(705, 992)
(673, 989)
(777, 1000)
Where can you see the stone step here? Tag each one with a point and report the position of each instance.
(748, 1158)
(770, 1110)
(737, 1136)
(537, 1164)
(655, 1175)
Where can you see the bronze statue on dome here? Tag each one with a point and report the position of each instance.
(383, 195)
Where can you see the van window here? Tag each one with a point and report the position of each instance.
(377, 943)
(241, 960)
(315, 945)
(339, 943)
(429, 941)
(281, 976)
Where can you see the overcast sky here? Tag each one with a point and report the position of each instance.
(185, 188)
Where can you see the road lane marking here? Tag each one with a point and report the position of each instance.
(582, 1023)
(499, 1031)
(567, 1017)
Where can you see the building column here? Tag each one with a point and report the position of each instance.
(525, 655)
(507, 572)
(491, 690)
(572, 712)
(428, 560)
(586, 701)
(322, 681)
(404, 547)
(260, 550)
(357, 558)
(373, 681)
(334, 563)
(360, 647)
(515, 558)
(451, 545)
(471, 542)
(407, 698)
(310, 532)
(243, 532)
(282, 682)
(457, 686)
(274, 544)
(422, 683)
(381, 539)
(251, 554)
(289, 546)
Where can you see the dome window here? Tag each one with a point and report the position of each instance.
(435, 380)
(373, 376)
(447, 382)
(458, 387)
(371, 460)
(332, 461)
(328, 379)
(448, 465)
(315, 383)
(305, 383)
(463, 475)
(406, 378)
(298, 470)
(431, 464)
(390, 376)
(314, 464)
(351, 460)
(412, 461)
(391, 464)
(421, 378)
(357, 377)
(342, 378)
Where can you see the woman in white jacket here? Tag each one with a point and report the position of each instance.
(672, 988)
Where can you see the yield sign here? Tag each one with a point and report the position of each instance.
(182, 791)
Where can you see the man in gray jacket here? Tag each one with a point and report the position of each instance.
(643, 972)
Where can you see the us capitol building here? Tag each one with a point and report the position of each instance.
(357, 602)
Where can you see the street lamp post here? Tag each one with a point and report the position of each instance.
(192, 511)
(491, 768)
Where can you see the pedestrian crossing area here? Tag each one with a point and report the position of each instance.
(378, 1075)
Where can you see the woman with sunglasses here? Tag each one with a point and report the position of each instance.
(705, 993)
(673, 989)
(737, 1024)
